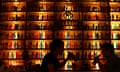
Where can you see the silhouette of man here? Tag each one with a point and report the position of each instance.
(50, 62)
(112, 62)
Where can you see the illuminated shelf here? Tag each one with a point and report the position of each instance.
(13, 7)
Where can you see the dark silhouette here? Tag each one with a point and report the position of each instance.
(111, 62)
(27, 62)
(29, 67)
(50, 62)
(3, 67)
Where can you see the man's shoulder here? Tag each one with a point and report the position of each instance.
(49, 55)
(116, 60)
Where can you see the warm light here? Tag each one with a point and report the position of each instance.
(40, 16)
(114, 35)
(115, 44)
(95, 35)
(67, 35)
(95, 26)
(42, 35)
(68, 44)
(67, 8)
(115, 26)
(68, 27)
(111, 0)
(38, 62)
(15, 35)
(65, 54)
(13, 63)
(16, 3)
(16, 0)
(11, 26)
(95, 45)
(67, 0)
(97, 66)
(12, 55)
(114, 3)
(115, 18)
(68, 65)
(41, 44)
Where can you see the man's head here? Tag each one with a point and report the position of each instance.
(107, 49)
(57, 46)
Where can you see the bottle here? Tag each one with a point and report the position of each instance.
(68, 45)
(42, 17)
(117, 18)
(66, 8)
(15, 35)
(96, 36)
(96, 17)
(96, 58)
(41, 55)
(15, 8)
(44, 35)
(41, 35)
(112, 17)
(116, 35)
(41, 44)
(93, 17)
(71, 45)
(98, 27)
(38, 56)
(11, 55)
(96, 54)
(95, 9)
(116, 45)
(35, 35)
(10, 45)
(41, 26)
(95, 45)
(15, 45)
(67, 35)
(10, 26)
(10, 35)
(17, 26)
(15, 17)
(68, 64)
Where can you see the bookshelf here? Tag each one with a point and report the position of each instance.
(82, 25)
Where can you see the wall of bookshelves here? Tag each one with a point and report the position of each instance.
(12, 25)
(82, 25)
(39, 33)
(68, 20)
(115, 25)
(96, 31)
